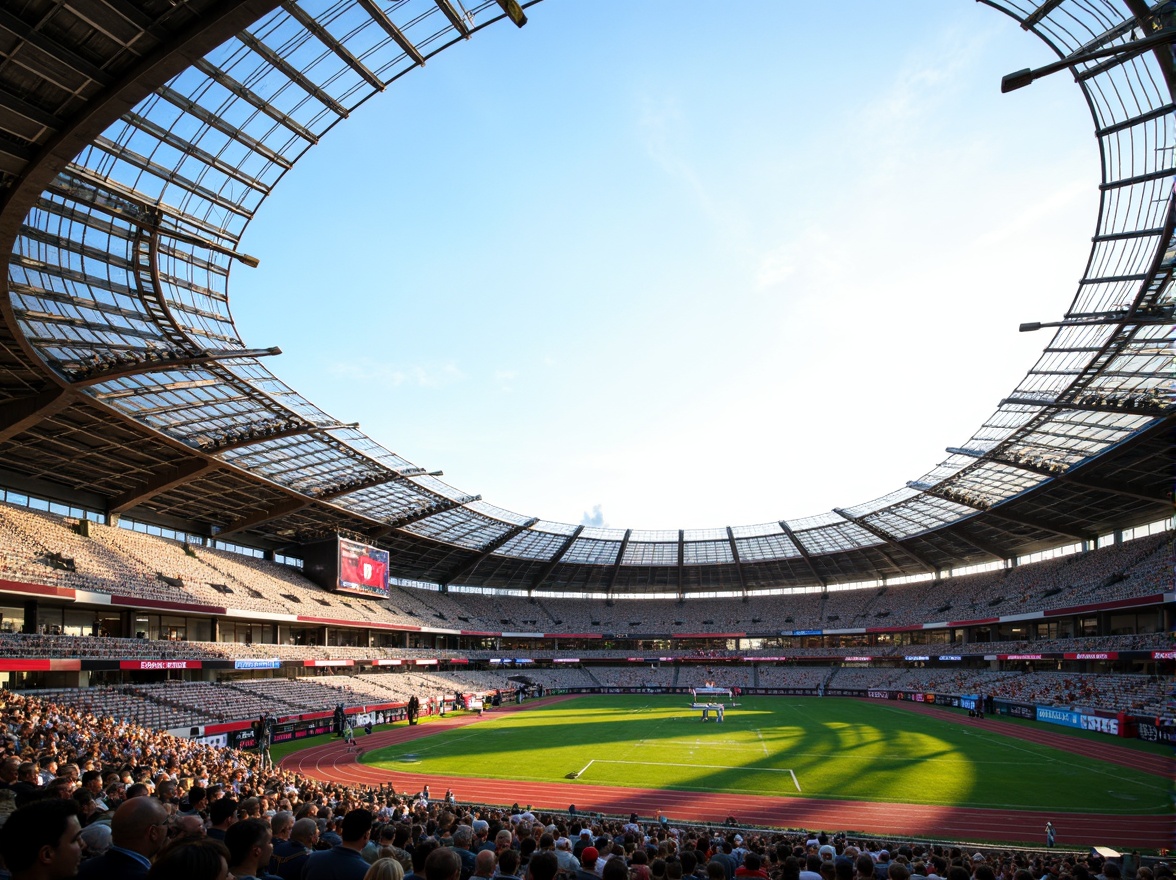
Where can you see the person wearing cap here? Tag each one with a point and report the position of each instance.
(827, 853)
(568, 863)
(587, 869)
(739, 852)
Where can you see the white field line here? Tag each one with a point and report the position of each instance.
(794, 782)
(586, 766)
(691, 766)
(764, 746)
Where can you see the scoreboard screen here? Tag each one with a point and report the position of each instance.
(363, 570)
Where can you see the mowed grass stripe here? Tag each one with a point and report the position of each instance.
(837, 749)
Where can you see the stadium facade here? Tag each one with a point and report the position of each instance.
(139, 137)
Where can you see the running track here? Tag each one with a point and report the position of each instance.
(333, 763)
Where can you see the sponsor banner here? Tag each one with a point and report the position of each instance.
(159, 664)
(1163, 655)
(387, 662)
(916, 657)
(969, 702)
(878, 695)
(949, 658)
(1015, 710)
(48, 665)
(787, 692)
(424, 662)
(1149, 731)
(915, 698)
(858, 659)
(764, 659)
(257, 664)
(807, 632)
(219, 740)
(461, 661)
(331, 662)
(1020, 657)
(1109, 726)
(844, 692)
(944, 700)
(566, 660)
(1064, 717)
(1093, 655)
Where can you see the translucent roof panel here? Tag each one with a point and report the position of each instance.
(651, 553)
(708, 552)
(124, 263)
(459, 526)
(532, 544)
(590, 551)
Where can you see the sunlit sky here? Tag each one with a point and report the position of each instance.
(681, 265)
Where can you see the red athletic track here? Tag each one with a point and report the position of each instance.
(332, 762)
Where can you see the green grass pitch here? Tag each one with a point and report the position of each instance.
(819, 748)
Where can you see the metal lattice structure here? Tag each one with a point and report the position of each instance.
(139, 137)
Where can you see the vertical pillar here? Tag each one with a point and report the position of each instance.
(30, 617)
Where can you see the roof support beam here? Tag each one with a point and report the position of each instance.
(1035, 523)
(804, 554)
(513, 11)
(616, 566)
(249, 97)
(40, 41)
(393, 31)
(324, 36)
(20, 414)
(888, 538)
(138, 367)
(292, 73)
(1031, 522)
(556, 557)
(206, 31)
(292, 505)
(1089, 483)
(159, 482)
(422, 513)
(1127, 406)
(459, 24)
(681, 563)
(982, 546)
(738, 562)
(485, 551)
(261, 436)
(215, 122)
(1037, 15)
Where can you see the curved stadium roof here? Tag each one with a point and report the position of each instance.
(139, 137)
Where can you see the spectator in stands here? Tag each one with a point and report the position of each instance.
(385, 869)
(43, 841)
(463, 839)
(442, 864)
(192, 860)
(343, 862)
(138, 832)
(250, 844)
(290, 855)
(222, 814)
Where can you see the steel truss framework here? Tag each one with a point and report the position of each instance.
(139, 137)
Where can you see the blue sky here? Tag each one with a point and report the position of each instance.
(679, 264)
